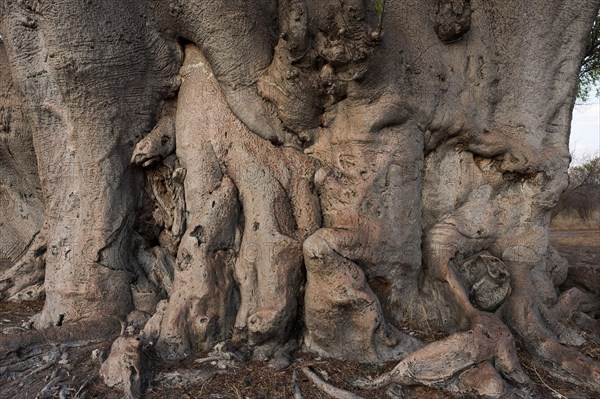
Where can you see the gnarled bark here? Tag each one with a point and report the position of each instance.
(308, 165)
(22, 244)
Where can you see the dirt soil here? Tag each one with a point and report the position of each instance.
(75, 367)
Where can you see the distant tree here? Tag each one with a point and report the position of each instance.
(583, 191)
(588, 173)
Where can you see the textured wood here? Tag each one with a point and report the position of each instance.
(330, 171)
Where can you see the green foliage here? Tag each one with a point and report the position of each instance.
(379, 5)
(589, 74)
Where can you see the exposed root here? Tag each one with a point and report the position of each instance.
(296, 387)
(329, 389)
(558, 394)
(574, 300)
(588, 324)
(568, 364)
(87, 331)
(540, 338)
(337, 293)
(123, 367)
(20, 362)
(460, 362)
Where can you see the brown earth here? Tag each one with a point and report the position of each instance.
(77, 370)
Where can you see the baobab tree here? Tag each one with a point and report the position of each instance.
(325, 171)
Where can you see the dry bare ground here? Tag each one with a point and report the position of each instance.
(571, 224)
(76, 366)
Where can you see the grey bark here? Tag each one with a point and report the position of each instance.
(225, 169)
(22, 244)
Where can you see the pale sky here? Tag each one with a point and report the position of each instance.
(585, 131)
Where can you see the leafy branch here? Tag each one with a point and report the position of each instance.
(589, 73)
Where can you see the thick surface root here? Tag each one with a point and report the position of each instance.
(337, 294)
(459, 362)
(99, 330)
(542, 335)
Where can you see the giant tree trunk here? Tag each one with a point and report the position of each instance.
(330, 171)
(21, 244)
